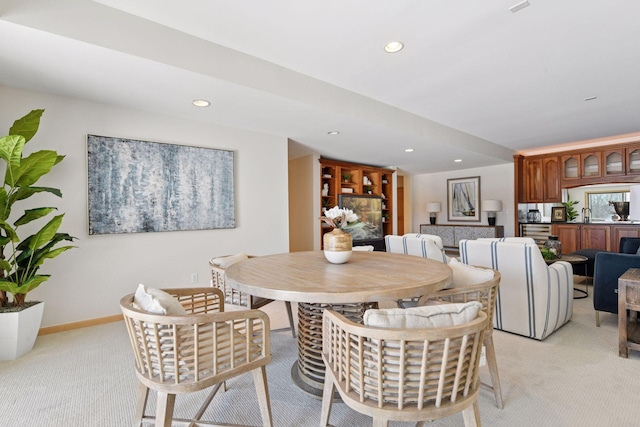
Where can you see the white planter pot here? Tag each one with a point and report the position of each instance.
(18, 331)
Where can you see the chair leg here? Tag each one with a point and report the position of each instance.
(493, 370)
(471, 415)
(290, 314)
(597, 318)
(141, 403)
(164, 409)
(377, 422)
(327, 399)
(260, 382)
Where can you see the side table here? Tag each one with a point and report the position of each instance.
(574, 260)
(628, 299)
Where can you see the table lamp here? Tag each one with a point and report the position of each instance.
(491, 207)
(433, 208)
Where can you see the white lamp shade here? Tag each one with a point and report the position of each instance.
(433, 207)
(492, 205)
(634, 203)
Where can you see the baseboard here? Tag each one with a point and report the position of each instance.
(81, 324)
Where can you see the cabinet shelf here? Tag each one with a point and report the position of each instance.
(362, 180)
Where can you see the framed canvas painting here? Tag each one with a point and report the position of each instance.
(463, 199)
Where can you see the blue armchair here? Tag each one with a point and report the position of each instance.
(608, 267)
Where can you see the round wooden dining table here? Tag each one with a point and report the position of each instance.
(316, 285)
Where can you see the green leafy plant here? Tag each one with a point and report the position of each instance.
(547, 254)
(20, 259)
(571, 212)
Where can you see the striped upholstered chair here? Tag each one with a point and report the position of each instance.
(534, 299)
(418, 246)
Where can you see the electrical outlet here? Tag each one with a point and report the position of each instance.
(194, 278)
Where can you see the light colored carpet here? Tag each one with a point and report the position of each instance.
(85, 378)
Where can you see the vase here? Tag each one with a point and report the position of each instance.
(19, 330)
(337, 246)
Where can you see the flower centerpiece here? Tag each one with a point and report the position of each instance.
(338, 217)
(338, 243)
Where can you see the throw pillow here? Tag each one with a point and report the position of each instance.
(157, 301)
(227, 261)
(429, 316)
(464, 275)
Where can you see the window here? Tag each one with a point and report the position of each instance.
(599, 203)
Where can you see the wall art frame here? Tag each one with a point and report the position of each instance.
(558, 214)
(463, 199)
(139, 186)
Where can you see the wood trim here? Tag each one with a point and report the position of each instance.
(81, 324)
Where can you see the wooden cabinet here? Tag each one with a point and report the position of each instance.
(452, 234)
(542, 180)
(551, 189)
(620, 231)
(338, 178)
(569, 236)
(596, 237)
(591, 164)
(632, 157)
(571, 169)
(614, 162)
(605, 237)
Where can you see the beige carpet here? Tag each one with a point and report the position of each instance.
(85, 378)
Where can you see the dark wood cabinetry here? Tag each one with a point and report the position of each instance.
(541, 180)
(338, 178)
(606, 237)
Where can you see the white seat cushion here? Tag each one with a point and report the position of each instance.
(429, 316)
(465, 275)
(157, 301)
(227, 261)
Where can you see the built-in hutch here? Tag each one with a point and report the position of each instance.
(338, 178)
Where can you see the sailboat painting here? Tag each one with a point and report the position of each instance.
(463, 199)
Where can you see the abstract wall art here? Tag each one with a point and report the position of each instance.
(139, 186)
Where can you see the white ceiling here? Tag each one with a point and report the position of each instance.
(475, 81)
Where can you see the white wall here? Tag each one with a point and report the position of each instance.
(89, 281)
(496, 182)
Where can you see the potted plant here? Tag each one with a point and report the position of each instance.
(571, 211)
(21, 257)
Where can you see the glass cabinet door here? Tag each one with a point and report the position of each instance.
(590, 165)
(633, 161)
(614, 162)
(570, 167)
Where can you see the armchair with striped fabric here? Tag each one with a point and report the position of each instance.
(534, 299)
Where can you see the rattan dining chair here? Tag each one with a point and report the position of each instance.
(402, 374)
(486, 293)
(235, 297)
(176, 354)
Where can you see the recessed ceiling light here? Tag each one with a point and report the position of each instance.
(408, 150)
(590, 98)
(201, 103)
(458, 160)
(393, 47)
(333, 132)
